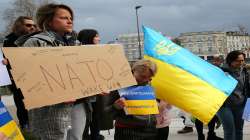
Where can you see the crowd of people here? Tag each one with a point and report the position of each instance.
(83, 119)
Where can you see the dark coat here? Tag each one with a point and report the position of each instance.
(140, 121)
(105, 119)
(10, 40)
(241, 91)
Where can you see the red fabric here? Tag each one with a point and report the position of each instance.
(121, 125)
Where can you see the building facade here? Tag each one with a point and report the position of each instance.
(204, 44)
(215, 43)
(131, 45)
(238, 41)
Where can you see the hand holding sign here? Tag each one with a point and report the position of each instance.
(5, 61)
(120, 103)
(4, 75)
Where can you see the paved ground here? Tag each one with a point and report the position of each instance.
(176, 125)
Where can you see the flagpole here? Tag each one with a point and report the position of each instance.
(138, 30)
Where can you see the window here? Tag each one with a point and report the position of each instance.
(199, 45)
(202, 57)
(209, 58)
(209, 38)
(210, 49)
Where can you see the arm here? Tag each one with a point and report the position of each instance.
(112, 108)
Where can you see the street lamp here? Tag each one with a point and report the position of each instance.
(138, 30)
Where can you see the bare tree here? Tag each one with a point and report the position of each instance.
(42, 2)
(21, 8)
(242, 29)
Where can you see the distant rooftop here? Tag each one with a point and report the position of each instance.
(237, 33)
(202, 33)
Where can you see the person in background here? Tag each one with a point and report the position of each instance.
(134, 127)
(56, 23)
(22, 26)
(91, 37)
(188, 124)
(163, 120)
(230, 114)
(211, 135)
(88, 37)
(217, 61)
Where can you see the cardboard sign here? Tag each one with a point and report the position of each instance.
(139, 100)
(8, 126)
(4, 75)
(246, 114)
(51, 75)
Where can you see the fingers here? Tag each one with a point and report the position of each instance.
(70, 102)
(105, 93)
(120, 103)
(5, 61)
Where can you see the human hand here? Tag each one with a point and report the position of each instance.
(5, 61)
(69, 102)
(119, 103)
(104, 93)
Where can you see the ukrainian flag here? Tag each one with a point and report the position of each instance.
(184, 79)
(8, 126)
(139, 100)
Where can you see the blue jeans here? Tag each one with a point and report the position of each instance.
(232, 122)
(78, 122)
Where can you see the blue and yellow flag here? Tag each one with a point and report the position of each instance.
(184, 79)
(8, 126)
(139, 100)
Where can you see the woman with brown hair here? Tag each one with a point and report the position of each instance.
(56, 23)
(230, 114)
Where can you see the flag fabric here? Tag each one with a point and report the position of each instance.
(139, 100)
(184, 79)
(8, 126)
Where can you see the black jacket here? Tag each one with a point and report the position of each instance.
(140, 121)
(9, 40)
(241, 91)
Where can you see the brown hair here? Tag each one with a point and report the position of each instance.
(233, 55)
(143, 64)
(17, 26)
(45, 14)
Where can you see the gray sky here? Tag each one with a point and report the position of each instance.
(171, 17)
